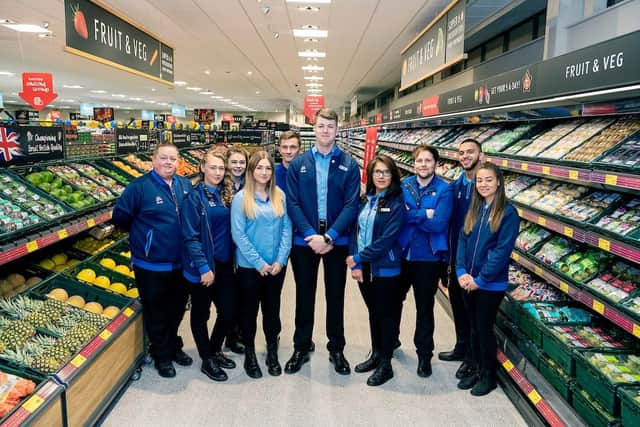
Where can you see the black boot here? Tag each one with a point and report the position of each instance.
(424, 367)
(370, 364)
(465, 370)
(211, 369)
(251, 366)
(298, 358)
(382, 374)
(273, 364)
(470, 380)
(223, 361)
(485, 386)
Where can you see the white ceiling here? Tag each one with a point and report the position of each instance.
(229, 38)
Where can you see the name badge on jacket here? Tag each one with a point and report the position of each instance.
(385, 209)
(343, 168)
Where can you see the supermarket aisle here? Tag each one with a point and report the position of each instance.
(316, 395)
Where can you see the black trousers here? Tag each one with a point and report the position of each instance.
(256, 292)
(305, 265)
(234, 332)
(423, 276)
(382, 298)
(482, 307)
(164, 297)
(460, 316)
(222, 293)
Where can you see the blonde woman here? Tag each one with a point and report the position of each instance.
(261, 231)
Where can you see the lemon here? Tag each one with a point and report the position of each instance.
(108, 263)
(133, 293)
(47, 264)
(87, 275)
(102, 281)
(59, 259)
(123, 269)
(119, 288)
(73, 262)
(59, 268)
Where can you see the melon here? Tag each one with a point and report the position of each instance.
(59, 294)
(76, 301)
(59, 259)
(16, 280)
(34, 280)
(94, 307)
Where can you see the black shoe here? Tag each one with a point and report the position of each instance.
(485, 386)
(166, 369)
(273, 364)
(223, 361)
(251, 366)
(467, 382)
(182, 358)
(340, 364)
(234, 346)
(382, 374)
(211, 369)
(424, 367)
(451, 356)
(298, 358)
(370, 364)
(464, 371)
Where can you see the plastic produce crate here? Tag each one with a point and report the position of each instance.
(559, 379)
(89, 293)
(591, 412)
(596, 384)
(630, 405)
(528, 349)
(114, 276)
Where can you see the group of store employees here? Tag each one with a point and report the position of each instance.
(228, 240)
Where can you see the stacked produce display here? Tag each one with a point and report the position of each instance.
(574, 306)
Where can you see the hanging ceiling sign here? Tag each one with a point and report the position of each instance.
(37, 90)
(96, 32)
(313, 104)
(438, 46)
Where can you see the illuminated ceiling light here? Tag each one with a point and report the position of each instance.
(310, 33)
(46, 35)
(148, 101)
(314, 78)
(276, 35)
(312, 68)
(67, 100)
(314, 85)
(7, 74)
(163, 103)
(249, 72)
(257, 92)
(217, 97)
(310, 40)
(98, 91)
(135, 99)
(207, 72)
(118, 95)
(206, 92)
(195, 89)
(71, 86)
(312, 54)
(314, 90)
(180, 83)
(27, 28)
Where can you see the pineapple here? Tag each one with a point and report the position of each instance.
(38, 319)
(45, 364)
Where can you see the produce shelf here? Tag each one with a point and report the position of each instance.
(32, 243)
(43, 408)
(622, 320)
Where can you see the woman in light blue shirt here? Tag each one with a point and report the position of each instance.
(261, 231)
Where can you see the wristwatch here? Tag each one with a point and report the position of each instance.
(327, 239)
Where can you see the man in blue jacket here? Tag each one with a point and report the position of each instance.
(424, 239)
(150, 209)
(323, 187)
(469, 152)
(289, 147)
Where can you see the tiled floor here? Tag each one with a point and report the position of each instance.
(316, 396)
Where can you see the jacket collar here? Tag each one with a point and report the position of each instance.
(162, 181)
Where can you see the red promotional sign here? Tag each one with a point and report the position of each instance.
(312, 104)
(228, 117)
(430, 106)
(370, 146)
(379, 118)
(37, 89)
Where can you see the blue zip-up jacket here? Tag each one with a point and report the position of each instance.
(150, 210)
(462, 195)
(262, 240)
(342, 199)
(385, 252)
(422, 238)
(206, 233)
(281, 177)
(486, 255)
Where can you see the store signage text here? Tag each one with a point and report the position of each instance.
(609, 62)
(37, 90)
(31, 144)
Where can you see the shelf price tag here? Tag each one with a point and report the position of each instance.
(568, 231)
(542, 221)
(538, 270)
(78, 360)
(515, 256)
(507, 365)
(62, 234)
(127, 312)
(604, 244)
(524, 166)
(105, 335)
(32, 246)
(505, 163)
(33, 403)
(546, 170)
(598, 307)
(573, 174)
(636, 330)
(534, 397)
(611, 179)
(91, 223)
(519, 211)
(564, 287)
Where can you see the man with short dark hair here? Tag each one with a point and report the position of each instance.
(288, 147)
(323, 188)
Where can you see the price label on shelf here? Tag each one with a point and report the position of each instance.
(534, 396)
(78, 360)
(505, 163)
(109, 214)
(32, 246)
(538, 270)
(611, 179)
(507, 365)
(127, 312)
(564, 287)
(91, 223)
(524, 166)
(598, 307)
(604, 244)
(520, 213)
(33, 403)
(573, 174)
(568, 231)
(546, 170)
(636, 330)
(62, 234)
(515, 256)
(106, 334)
(542, 221)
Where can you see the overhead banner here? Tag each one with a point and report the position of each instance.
(30, 144)
(313, 104)
(97, 32)
(428, 53)
(204, 115)
(178, 110)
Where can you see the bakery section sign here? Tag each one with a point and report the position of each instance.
(96, 32)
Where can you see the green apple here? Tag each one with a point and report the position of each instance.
(47, 176)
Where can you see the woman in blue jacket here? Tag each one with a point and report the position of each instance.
(482, 266)
(261, 231)
(208, 261)
(375, 257)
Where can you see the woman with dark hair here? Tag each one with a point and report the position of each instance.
(482, 265)
(261, 231)
(208, 261)
(375, 257)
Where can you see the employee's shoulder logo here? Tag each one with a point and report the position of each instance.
(159, 200)
(303, 169)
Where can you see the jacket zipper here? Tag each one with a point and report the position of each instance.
(473, 260)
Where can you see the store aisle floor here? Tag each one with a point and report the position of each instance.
(316, 396)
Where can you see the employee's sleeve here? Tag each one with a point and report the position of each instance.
(127, 207)
(191, 236)
(461, 257)
(239, 234)
(286, 238)
(441, 216)
(500, 255)
(385, 241)
(294, 207)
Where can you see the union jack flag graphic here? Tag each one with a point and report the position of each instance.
(9, 146)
